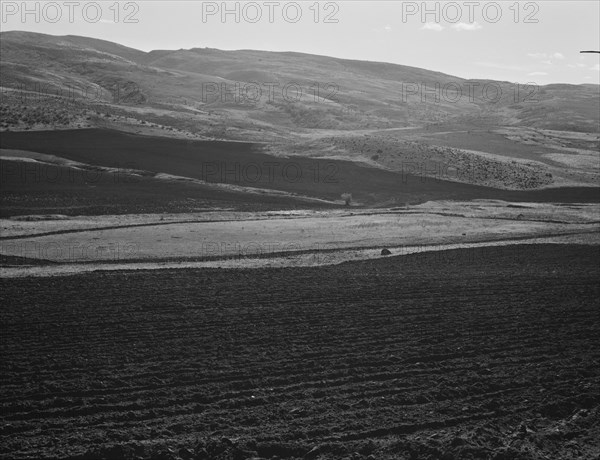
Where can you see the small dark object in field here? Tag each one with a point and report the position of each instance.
(385, 252)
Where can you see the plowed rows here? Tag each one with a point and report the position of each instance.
(416, 356)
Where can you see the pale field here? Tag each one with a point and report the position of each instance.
(486, 209)
(296, 238)
(311, 259)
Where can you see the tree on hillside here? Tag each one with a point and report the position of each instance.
(347, 197)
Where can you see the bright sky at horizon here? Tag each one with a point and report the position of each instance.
(514, 41)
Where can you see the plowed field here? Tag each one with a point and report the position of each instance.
(454, 355)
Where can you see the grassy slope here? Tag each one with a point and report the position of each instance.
(368, 93)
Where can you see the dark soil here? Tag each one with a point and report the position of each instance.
(487, 353)
(245, 164)
(28, 188)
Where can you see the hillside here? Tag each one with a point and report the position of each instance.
(382, 114)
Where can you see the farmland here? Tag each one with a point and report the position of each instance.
(359, 272)
(262, 320)
(487, 354)
(99, 171)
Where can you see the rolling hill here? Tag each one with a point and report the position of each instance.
(380, 115)
(343, 93)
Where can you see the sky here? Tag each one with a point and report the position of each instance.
(526, 42)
